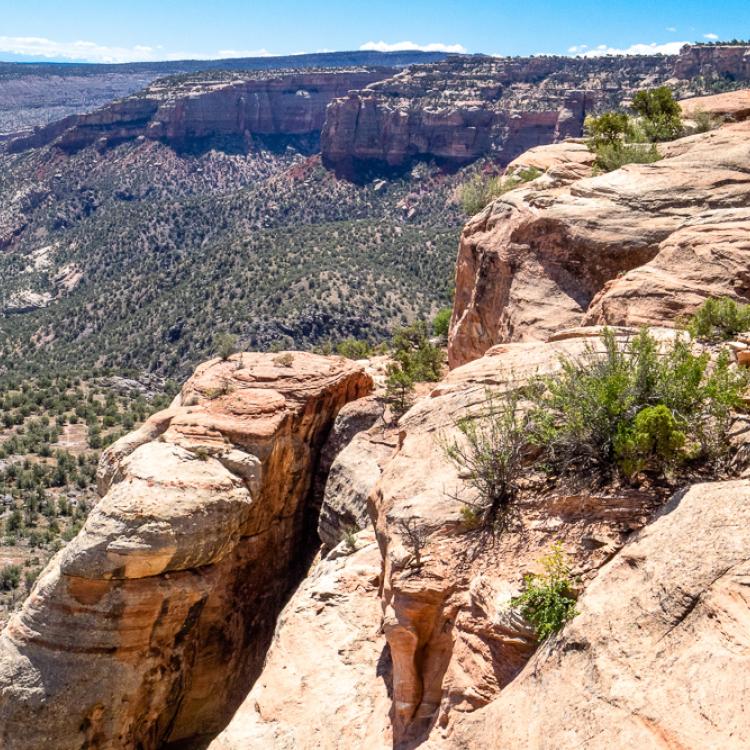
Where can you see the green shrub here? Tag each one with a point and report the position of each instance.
(226, 345)
(660, 112)
(719, 320)
(417, 357)
(442, 321)
(352, 348)
(585, 415)
(611, 156)
(10, 577)
(399, 388)
(608, 128)
(654, 440)
(548, 600)
(481, 189)
(489, 457)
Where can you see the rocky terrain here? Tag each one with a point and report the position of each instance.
(180, 595)
(35, 94)
(462, 108)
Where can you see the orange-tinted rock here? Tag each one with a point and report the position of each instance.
(659, 655)
(643, 244)
(324, 685)
(151, 626)
(455, 640)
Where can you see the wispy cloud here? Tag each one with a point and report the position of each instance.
(382, 46)
(43, 48)
(668, 48)
(671, 29)
(712, 37)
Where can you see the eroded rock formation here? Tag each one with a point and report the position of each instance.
(149, 628)
(642, 245)
(658, 656)
(183, 113)
(459, 109)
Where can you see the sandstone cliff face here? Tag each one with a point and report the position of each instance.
(181, 113)
(657, 657)
(462, 108)
(148, 630)
(730, 61)
(642, 245)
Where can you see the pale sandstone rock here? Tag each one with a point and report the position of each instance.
(454, 639)
(325, 682)
(659, 655)
(150, 627)
(536, 261)
(734, 105)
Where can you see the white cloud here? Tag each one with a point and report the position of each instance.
(671, 29)
(33, 46)
(669, 48)
(382, 46)
(712, 37)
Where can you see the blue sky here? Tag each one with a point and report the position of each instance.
(125, 30)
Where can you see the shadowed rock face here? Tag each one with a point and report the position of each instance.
(642, 245)
(182, 113)
(148, 629)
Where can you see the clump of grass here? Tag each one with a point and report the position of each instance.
(481, 190)
(719, 319)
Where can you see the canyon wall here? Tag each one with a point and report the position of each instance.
(462, 108)
(184, 111)
(150, 627)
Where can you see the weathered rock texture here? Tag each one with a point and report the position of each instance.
(187, 112)
(454, 639)
(148, 630)
(642, 245)
(462, 108)
(659, 655)
(325, 682)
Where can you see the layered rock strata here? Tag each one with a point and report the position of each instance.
(184, 112)
(149, 628)
(658, 656)
(645, 244)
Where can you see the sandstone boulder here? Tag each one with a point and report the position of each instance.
(149, 629)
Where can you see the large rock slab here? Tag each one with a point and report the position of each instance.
(659, 656)
(325, 682)
(454, 639)
(644, 244)
(149, 629)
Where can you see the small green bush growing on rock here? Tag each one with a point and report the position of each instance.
(548, 600)
(481, 190)
(399, 388)
(608, 128)
(655, 439)
(489, 456)
(660, 113)
(352, 348)
(719, 319)
(226, 345)
(442, 321)
(611, 156)
(598, 413)
(419, 358)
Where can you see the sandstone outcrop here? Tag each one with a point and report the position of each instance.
(733, 105)
(454, 639)
(463, 108)
(325, 682)
(642, 245)
(182, 113)
(658, 656)
(150, 627)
